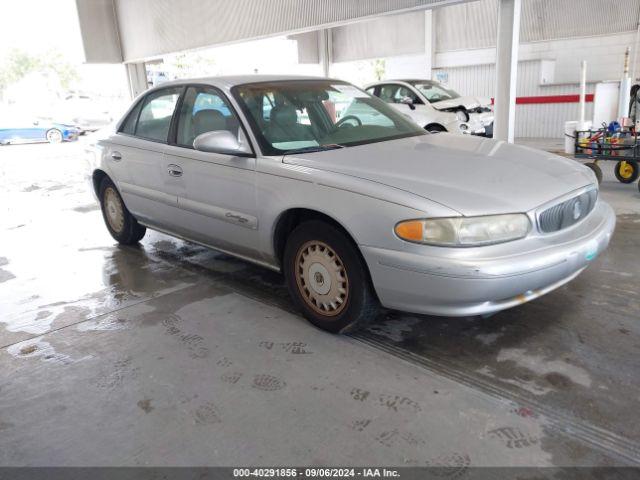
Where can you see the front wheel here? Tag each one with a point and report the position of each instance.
(626, 171)
(327, 278)
(122, 226)
(54, 136)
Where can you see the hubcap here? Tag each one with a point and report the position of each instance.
(54, 136)
(625, 170)
(322, 278)
(113, 209)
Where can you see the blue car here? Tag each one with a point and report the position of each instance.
(13, 130)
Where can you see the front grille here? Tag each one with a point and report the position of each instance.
(567, 213)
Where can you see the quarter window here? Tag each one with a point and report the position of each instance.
(129, 125)
(155, 117)
(204, 110)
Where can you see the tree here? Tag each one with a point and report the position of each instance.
(19, 64)
(379, 68)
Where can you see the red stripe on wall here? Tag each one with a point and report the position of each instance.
(550, 99)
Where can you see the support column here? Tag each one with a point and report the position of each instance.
(506, 69)
(137, 77)
(429, 42)
(325, 49)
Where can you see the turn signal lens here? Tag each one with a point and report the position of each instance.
(465, 231)
(411, 230)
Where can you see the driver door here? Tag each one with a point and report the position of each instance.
(216, 191)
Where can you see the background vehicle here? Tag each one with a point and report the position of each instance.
(25, 130)
(84, 112)
(436, 107)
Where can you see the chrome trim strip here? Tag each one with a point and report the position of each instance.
(217, 213)
(149, 194)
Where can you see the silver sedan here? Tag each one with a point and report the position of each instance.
(353, 203)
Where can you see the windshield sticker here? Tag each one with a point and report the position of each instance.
(350, 90)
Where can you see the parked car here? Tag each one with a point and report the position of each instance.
(86, 113)
(354, 213)
(436, 107)
(27, 130)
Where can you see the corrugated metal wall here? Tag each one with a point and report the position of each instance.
(543, 120)
(561, 31)
(473, 25)
(153, 27)
(394, 35)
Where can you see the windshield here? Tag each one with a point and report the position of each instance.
(312, 115)
(435, 92)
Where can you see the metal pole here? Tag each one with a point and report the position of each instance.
(325, 47)
(506, 69)
(583, 93)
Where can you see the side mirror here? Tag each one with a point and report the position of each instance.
(408, 101)
(220, 141)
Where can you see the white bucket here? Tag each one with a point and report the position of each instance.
(570, 137)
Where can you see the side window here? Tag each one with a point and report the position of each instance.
(395, 93)
(388, 92)
(129, 125)
(371, 90)
(204, 110)
(403, 92)
(155, 117)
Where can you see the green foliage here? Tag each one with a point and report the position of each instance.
(19, 64)
(379, 68)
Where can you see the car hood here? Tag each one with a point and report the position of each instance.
(472, 175)
(467, 102)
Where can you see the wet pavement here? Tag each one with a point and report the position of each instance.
(173, 354)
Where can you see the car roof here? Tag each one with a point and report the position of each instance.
(402, 80)
(233, 80)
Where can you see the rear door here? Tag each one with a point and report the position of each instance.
(136, 157)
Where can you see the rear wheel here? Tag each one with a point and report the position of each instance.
(122, 226)
(54, 136)
(626, 171)
(327, 278)
(596, 169)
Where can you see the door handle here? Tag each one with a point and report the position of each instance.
(116, 156)
(174, 170)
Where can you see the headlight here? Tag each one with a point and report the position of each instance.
(465, 231)
(462, 115)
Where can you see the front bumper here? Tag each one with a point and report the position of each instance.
(483, 280)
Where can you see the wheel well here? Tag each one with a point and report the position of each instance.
(290, 219)
(97, 177)
(436, 126)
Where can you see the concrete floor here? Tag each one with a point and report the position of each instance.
(172, 354)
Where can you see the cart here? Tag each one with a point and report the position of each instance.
(623, 147)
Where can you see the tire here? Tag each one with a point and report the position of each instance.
(596, 169)
(626, 171)
(313, 250)
(435, 128)
(54, 136)
(122, 226)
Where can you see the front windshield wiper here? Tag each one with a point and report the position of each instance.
(314, 148)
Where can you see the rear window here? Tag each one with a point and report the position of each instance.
(155, 116)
